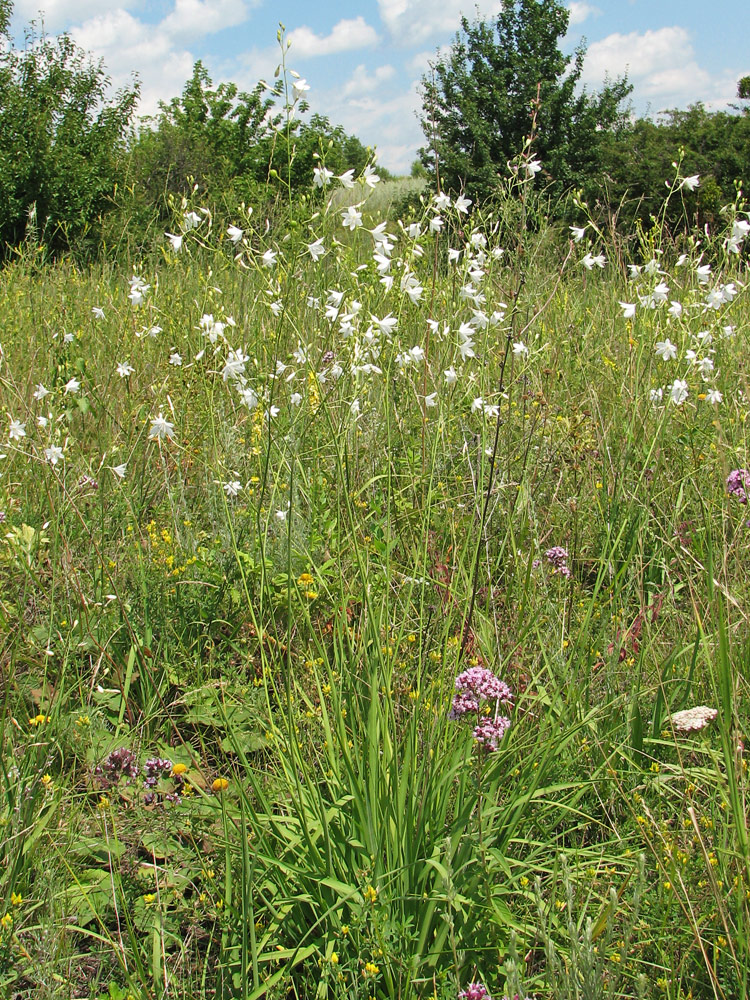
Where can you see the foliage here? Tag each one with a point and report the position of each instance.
(62, 139)
(480, 99)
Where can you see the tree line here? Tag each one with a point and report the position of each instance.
(78, 175)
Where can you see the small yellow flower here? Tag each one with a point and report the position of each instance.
(16, 899)
(334, 958)
(149, 898)
(345, 929)
(371, 894)
(179, 769)
(83, 720)
(6, 921)
(305, 579)
(311, 595)
(46, 780)
(103, 802)
(371, 969)
(220, 785)
(655, 767)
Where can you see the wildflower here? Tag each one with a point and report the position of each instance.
(72, 386)
(97, 312)
(489, 732)
(451, 376)
(370, 969)
(53, 454)
(138, 290)
(590, 261)
(321, 177)
(235, 234)
(628, 310)
(714, 396)
(219, 785)
(191, 221)
(475, 685)
(178, 769)
(666, 350)
(17, 430)
(124, 369)
(577, 232)
(690, 183)
(233, 488)
(520, 350)
(532, 168)
(675, 309)
(175, 359)
(269, 258)
(316, 249)
(461, 204)
(120, 470)
(441, 201)
(300, 86)
(678, 392)
(40, 392)
(436, 224)
(370, 894)
(369, 176)
(693, 719)
(656, 395)
(161, 429)
(558, 557)
(16, 899)
(175, 241)
(431, 400)
(474, 991)
(738, 482)
(347, 179)
(351, 218)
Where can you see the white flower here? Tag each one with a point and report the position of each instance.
(97, 312)
(704, 273)
(321, 176)
(281, 515)
(414, 230)
(235, 365)
(416, 354)
(175, 359)
(635, 270)
(577, 232)
(175, 241)
(351, 218)
(660, 293)
(691, 183)
(436, 224)
(628, 310)
(347, 179)
(40, 392)
(72, 386)
(120, 470)
(477, 404)
(53, 454)
(431, 400)
(666, 350)
(42, 421)
(269, 258)
(248, 397)
(532, 168)
(191, 221)
(272, 411)
(590, 261)
(453, 255)
(705, 366)
(451, 376)
(682, 260)
(232, 488)
(124, 369)
(727, 332)
(441, 201)
(300, 85)
(355, 407)
(461, 204)
(369, 176)
(295, 399)
(656, 395)
(675, 309)
(17, 430)
(386, 325)
(520, 350)
(161, 428)
(714, 396)
(678, 392)
(235, 234)
(316, 249)
(740, 229)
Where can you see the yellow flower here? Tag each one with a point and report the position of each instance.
(220, 785)
(103, 802)
(371, 894)
(16, 899)
(371, 969)
(311, 595)
(149, 898)
(179, 769)
(47, 780)
(305, 579)
(334, 958)
(6, 921)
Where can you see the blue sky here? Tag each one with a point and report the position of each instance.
(364, 62)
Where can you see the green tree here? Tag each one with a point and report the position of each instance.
(62, 139)
(478, 101)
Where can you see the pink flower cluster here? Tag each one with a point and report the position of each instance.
(474, 991)
(738, 483)
(558, 556)
(473, 687)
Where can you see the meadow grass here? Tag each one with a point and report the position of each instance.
(266, 501)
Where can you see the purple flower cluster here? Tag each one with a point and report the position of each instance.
(489, 732)
(121, 763)
(558, 557)
(475, 685)
(474, 991)
(738, 483)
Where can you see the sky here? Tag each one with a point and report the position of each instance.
(364, 61)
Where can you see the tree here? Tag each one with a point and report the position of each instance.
(62, 139)
(743, 88)
(478, 101)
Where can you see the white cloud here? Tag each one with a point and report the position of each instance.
(348, 34)
(126, 44)
(362, 82)
(580, 12)
(57, 14)
(662, 66)
(421, 62)
(193, 19)
(412, 22)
